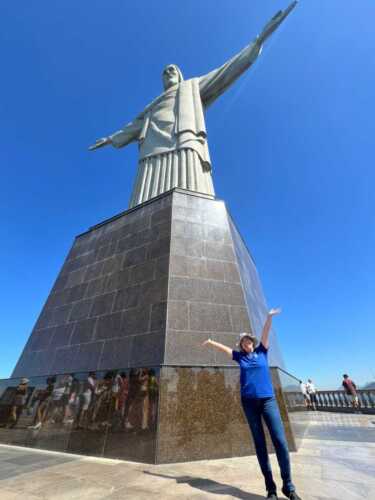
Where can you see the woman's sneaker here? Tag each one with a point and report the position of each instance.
(36, 427)
(292, 495)
(272, 496)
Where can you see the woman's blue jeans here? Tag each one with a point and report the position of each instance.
(267, 408)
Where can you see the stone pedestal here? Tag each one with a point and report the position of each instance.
(145, 288)
(137, 295)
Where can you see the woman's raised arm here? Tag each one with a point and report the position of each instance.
(267, 327)
(220, 347)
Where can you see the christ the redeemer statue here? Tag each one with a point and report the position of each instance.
(171, 132)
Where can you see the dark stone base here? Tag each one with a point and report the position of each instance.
(172, 414)
(200, 414)
(117, 421)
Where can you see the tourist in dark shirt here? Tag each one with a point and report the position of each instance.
(258, 402)
(350, 390)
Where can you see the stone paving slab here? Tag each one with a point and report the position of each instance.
(322, 470)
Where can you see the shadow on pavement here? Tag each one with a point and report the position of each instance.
(210, 486)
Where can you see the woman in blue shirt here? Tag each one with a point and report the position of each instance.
(258, 402)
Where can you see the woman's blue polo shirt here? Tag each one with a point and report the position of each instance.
(255, 377)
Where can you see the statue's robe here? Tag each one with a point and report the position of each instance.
(171, 132)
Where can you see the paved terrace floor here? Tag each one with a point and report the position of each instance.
(335, 461)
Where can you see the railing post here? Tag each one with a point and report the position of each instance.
(371, 398)
(336, 397)
(331, 399)
(319, 398)
(345, 398)
(326, 397)
(366, 398)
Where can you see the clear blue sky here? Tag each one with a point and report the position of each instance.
(292, 145)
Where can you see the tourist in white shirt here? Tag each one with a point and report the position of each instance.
(306, 397)
(311, 391)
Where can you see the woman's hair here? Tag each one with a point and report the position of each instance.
(253, 339)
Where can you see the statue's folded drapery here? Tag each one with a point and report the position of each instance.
(160, 173)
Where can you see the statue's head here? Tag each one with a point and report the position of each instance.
(171, 76)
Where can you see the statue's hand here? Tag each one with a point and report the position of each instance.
(104, 141)
(274, 23)
(274, 311)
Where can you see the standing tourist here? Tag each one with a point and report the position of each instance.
(351, 390)
(306, 398)
(311, 391)
(85, 400)
(259, 402)
(44, 397)
(153, 391)
(144, 378)
(18, 403)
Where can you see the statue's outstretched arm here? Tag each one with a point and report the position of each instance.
(213, 84)
(123, 137)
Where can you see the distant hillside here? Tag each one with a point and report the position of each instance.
(369, 385)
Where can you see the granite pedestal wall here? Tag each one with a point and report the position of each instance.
(142, 291)
(186, 413)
